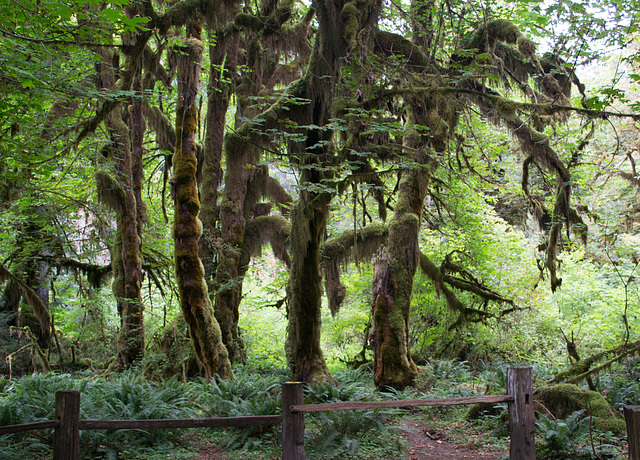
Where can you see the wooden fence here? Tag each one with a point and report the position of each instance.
(519, 398)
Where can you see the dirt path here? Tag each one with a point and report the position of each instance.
(429, 444)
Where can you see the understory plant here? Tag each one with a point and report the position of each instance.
(572, 437)
(350, 433)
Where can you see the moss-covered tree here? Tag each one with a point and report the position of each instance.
(119, 188)
(187, 228)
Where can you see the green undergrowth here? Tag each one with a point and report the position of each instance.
(363, 434)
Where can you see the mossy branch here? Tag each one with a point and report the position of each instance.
(95, 273)
(348, 246)
(44, 362)
(279, 195)
(31, 298)
(468, 283)
(391, 44)
(267, 229)
(581, 369)
(542, 109)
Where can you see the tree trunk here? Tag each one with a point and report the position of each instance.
(127, 257)
(304, 289)
(338, 27)
(187, 228)
(125, 198)
(223, 56)
(394, 272)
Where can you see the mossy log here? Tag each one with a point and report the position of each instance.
(564, 399)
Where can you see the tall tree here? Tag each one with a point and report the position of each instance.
(187, 228)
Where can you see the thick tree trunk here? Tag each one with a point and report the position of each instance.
(394, 272)
(338, 28)
(187, 228)
(304, 289)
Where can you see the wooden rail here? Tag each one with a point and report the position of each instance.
(29, 426)
(67, 424)
(162, 424)
(402, 403)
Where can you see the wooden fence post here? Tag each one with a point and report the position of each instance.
(66, 441)
(632, 417)
(522, 416)
(292, 422)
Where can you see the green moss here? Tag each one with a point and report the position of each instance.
(538, 137)
(349, 17)
(248, 21)
(564, 399)
(503, 30)
(184, 168)
(339, 106)
(506, 107)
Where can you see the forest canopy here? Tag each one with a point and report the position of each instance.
(450, 178)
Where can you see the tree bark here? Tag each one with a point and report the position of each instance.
(223, 56)
(187, 228)
(394, 271)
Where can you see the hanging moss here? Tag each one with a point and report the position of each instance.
(110, 191)
(267, 229)
(349, 246)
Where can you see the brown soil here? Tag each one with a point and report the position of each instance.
(430, 444)
(210, 453)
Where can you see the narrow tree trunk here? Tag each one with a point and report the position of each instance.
(127, 257)
(187, 228)
(38, 281)
(126, 252)
(223, 56)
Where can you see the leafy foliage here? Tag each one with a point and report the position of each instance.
(571, 437)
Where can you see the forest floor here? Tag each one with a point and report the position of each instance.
(429, 443)
(426, 442)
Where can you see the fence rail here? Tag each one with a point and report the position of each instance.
(67, 424)
(401, 403)
(161, 424)
(29, 426)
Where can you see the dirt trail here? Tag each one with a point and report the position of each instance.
(428, 444)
